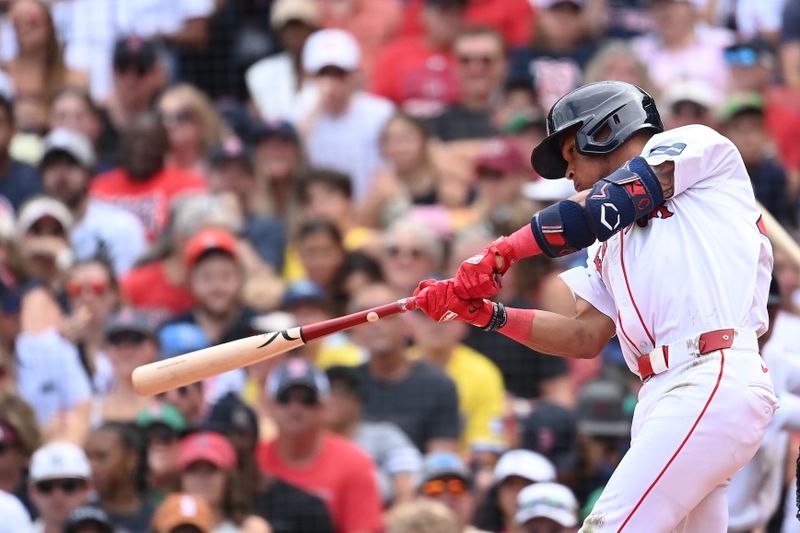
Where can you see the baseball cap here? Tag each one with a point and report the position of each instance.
(331, 48)
(601, 410)
(302, 291)
(273, 128)
(694, 91)
(207, 446)
(135, 51)
(180, 338)
(547, 500)
(552, 431)
(69, 142)
(233, 149)
(526, 464)
(230, 414)
(749, 53)
(209, 239)
(447, 3)
(741, 104)
(501, 155)
(548, 190)
(86, 515)
(161, 413)
(40, 207)
(59, 460)
(549, 4)
(183, 510)
(297, 371)
(444, 464)
(284, 11)
(131, 320)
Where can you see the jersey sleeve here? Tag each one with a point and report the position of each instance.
(702, 157)
(586, 283)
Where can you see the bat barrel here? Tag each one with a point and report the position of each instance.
(192, 367)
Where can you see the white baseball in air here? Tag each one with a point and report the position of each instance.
(372, 316)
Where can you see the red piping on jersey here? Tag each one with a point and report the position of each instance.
(622, 329)
(685, 439)
(625, 274)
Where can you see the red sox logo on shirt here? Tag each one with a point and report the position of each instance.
(599, 256)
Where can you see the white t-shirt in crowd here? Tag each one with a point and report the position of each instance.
(50, 376)
(350, 143)
(121, 232)
(700, 264)
(272, 84)
(15, 517)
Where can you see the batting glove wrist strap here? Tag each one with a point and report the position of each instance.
(499, 317)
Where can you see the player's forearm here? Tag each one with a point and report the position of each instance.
(553, 334)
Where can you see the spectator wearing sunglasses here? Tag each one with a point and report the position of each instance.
(130, 341)
(43, 227)
(411, 252)
(66, 167)
(316, 460)
(481, 67)
(752, 65)
(138, 76)
(445, 478)
(59, 483)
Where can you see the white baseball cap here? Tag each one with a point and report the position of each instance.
(331, 48)
(59, 460)
(39, 207)
(524, 463)
(547, 500)
(72, 143)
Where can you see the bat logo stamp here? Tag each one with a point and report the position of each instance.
(285, 334)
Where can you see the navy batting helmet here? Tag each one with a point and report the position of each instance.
(622, 107)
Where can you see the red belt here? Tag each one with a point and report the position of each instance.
(653, 363)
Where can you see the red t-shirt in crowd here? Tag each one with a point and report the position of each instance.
(342, 475)
(149, 200)
(514, 19)
(417, 78)
(148, 287)
(782, 116)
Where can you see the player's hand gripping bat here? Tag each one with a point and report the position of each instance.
(195, 366)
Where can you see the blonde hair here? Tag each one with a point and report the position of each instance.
(17, 413)
(597, 66)
(209, 120)
(422, 516)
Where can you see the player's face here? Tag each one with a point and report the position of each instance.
(583, 170)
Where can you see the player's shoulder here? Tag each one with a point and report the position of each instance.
(673, 142)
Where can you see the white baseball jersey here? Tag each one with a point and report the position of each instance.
(702, 261)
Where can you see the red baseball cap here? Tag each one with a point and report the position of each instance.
(501, 155)
(209, 239)
(207, 446)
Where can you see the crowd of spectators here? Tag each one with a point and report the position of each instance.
(179, 174)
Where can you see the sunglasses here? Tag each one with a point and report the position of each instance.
(484, 60)
(741, 57)
(4, 447)
(68, 486)
(437, 487)
(125, 67)
(127, 337)
(396, 251)
(333, 72)
(305, 397)
(76, 288)
(490, 174)
(182, 116)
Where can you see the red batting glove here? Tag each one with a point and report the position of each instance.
(479, 276)
(438, 300)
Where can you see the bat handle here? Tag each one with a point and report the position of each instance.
(320, 329)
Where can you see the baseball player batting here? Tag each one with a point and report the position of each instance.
(679, 269)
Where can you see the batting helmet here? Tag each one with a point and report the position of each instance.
(622, 107)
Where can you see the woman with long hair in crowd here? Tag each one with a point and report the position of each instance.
(194, 127)
(116, 452)
(411, 179)
(38, 69)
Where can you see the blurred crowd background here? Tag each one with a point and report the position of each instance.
(176, 174)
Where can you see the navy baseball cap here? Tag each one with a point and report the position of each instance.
(230, 415)
(83, 516)
(131, 320)
(233, 149)
(297, 372)
(135, 51)
(302, 291)
(274, 128)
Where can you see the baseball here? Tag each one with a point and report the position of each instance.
(372, 316)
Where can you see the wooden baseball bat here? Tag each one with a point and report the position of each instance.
(779, 237)
(161, 376)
